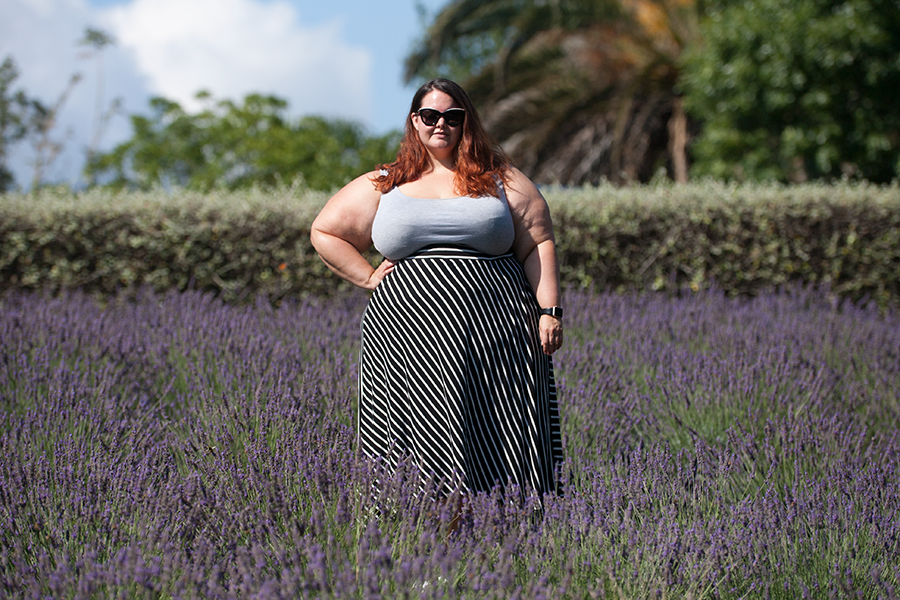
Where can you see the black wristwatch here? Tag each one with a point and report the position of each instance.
(553, 311)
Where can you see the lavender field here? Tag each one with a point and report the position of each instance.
(172, 446)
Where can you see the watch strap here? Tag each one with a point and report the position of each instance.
(553, 311)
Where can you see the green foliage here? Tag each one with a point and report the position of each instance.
(469, 36)
(19, 115)
(96, 38)
(739, 238)
(232, 243)
(576, 91)
(799, 90)
(238, 146)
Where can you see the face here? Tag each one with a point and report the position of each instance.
(439, 138)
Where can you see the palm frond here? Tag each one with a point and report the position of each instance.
(574, 90)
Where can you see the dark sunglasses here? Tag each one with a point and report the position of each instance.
(453, 117)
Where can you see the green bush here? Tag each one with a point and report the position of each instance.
(739, 238)
(237, 244)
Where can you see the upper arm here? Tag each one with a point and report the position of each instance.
(530, 213)
(348, 215)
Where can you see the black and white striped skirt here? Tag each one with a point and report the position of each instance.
(452, 375)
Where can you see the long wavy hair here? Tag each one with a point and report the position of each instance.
(479, 161)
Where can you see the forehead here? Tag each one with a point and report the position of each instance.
(439, 100)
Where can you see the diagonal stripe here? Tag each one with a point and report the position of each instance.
(452, 373)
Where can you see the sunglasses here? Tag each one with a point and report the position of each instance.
(453, 117)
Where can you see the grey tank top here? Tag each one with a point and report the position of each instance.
(404, 225)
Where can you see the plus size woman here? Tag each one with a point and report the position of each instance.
(455, 367)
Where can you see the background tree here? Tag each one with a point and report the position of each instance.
(13, 106)
(19, 116)
(45, 144)
(797, 90)
(574, 90)
(237, 146)
(97, 40)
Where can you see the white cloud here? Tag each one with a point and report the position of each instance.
(174, 48)
(234, 47)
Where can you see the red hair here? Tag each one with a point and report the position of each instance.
(478, 159)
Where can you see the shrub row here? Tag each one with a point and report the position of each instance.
(739, 238)
(237, 244)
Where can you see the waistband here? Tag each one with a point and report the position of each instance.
(455, 252)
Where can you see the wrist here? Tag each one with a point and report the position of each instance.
(367, 284)
(553, 311)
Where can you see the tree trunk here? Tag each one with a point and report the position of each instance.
(678, 139)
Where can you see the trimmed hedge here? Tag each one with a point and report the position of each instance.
(739, 238)
(237, 244)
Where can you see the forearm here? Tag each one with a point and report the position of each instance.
(343, 259)
(542, 271)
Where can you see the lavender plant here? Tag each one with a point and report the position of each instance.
(173, 446)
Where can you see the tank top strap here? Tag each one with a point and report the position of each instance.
(501, 190)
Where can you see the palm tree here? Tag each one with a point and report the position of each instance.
(575, 90)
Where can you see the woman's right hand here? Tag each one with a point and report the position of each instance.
(379, 274)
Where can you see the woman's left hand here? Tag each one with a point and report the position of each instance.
(551, 331)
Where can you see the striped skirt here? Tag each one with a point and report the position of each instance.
(452, 375)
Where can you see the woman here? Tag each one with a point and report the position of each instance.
(455, 368)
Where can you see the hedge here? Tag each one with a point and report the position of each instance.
(739, 238)
(237, 244)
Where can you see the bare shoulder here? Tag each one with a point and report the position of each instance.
(358, 196)
(525, 200)
(531, 216)
(350, 212)
(520, 188)
(361, 189)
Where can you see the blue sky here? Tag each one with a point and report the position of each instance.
(338, 58)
